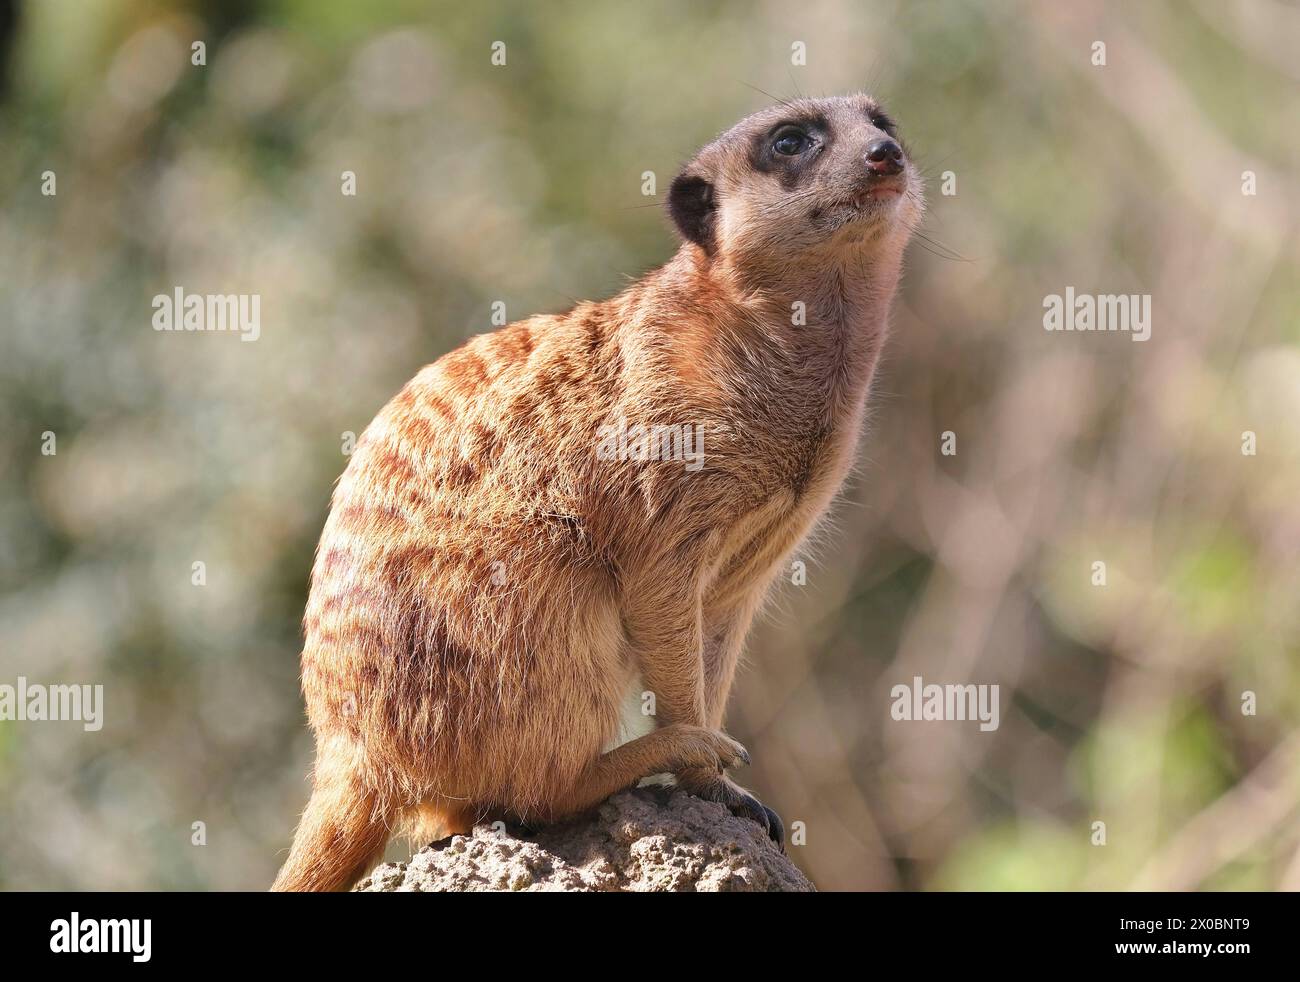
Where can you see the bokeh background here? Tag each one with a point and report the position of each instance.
(522, 183)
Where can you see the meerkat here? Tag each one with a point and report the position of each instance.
(490, 590)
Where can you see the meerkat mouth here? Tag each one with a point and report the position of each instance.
(870, 205)
(877, 193)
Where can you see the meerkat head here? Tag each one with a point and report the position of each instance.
(813, 176)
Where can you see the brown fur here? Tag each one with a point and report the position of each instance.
(486, 589)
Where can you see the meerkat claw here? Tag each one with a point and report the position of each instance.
(747, 806)
(775, 828)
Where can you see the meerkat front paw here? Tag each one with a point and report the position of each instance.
(720, 788)
(699, 748)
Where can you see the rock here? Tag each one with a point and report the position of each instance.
(648, 839)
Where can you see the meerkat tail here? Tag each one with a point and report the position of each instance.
(342, 835)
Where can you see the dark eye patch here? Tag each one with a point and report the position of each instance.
(790, 168)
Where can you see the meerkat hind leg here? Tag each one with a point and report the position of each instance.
(741, 803)
(669, 749)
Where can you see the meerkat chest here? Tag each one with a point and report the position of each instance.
(750, 549)
(794, 497)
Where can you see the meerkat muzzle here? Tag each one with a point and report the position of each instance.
(885, 157)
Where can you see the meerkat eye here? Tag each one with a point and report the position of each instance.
(790, 143)
(882, 122)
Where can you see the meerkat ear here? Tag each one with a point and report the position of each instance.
(692, 204)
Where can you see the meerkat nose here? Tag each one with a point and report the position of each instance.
(884, 157)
